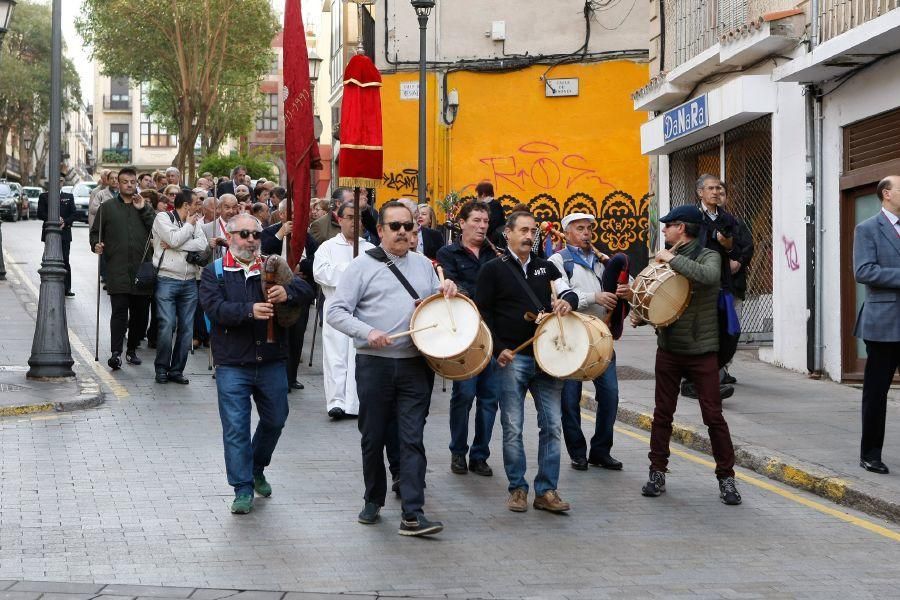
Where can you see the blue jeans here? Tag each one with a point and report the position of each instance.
(176, 302)
(518, 377)
(246, 457)
(486, 387)
(607, 386)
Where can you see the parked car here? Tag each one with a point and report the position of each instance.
(32, 193)
(82, 192)
(20, 200)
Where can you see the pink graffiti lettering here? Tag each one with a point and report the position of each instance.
(542, 165)
(790, 253)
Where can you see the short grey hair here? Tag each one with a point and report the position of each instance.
(224, 197)
(704, 178)
(231, 226)
(171, 170)
(282, 206)
(411, 205)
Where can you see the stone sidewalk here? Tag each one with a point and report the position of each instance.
(791, 428)
(18, 395)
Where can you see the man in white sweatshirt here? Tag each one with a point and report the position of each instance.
(338, 352)
(179, 250)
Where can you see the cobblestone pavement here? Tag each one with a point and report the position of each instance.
(134, 492)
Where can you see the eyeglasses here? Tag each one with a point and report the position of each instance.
(172, 194)
(246, 233)
(396, 225)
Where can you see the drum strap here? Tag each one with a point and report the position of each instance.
(379, 254)
(520, 277)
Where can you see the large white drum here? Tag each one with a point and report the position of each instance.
(452, 336)
(583, 352)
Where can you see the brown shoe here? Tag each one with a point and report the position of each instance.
(518, 500)
(551, 501)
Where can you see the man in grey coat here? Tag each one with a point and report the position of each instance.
(876, 264)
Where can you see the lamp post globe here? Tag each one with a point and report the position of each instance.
(6, 12)
(423, 9)
(315, 63)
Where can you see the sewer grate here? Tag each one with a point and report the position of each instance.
(11, 387)
(626, 373)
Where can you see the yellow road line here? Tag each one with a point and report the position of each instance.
(74, 341)
(765, 485)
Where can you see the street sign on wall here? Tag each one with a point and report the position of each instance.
(557, 88)
(409, 90)
(687, 118)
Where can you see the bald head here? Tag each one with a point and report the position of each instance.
(888, 191)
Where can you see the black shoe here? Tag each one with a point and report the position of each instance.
(162, 378)
(656, 485)
(395, 486)
(607, 462)
(296, 385)
(419, 525)
(181, 379)
(728, 492)
(115, 361)
(726, 391)
(70, 294)
(369, 514)
(151, 344)
(132, 358)
(580, 464)
(688, 390)
(875, 466)
(458, 464)
(728, 379)
(480, 467)
(336, 413)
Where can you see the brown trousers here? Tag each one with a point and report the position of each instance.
(703, 371)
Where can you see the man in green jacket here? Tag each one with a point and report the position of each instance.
(689, 348)
(120, 233)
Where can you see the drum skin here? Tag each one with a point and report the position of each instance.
(660, 295)
(588, 347)
(442, 341)
(472, 362)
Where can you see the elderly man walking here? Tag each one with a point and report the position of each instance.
(248, 366)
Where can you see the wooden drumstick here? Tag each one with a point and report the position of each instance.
(530, 340)
(440, 272)
(562, 335)
(394, 336)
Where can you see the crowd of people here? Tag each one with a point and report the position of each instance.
(205, 267)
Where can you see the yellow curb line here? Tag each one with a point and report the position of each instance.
(18, 411)
(117, 389)
(765, 485)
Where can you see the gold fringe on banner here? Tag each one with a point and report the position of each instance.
(361, 182)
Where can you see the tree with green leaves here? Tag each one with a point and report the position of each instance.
(190, 51)
(25, 80)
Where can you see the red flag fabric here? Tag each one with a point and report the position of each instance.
(300, 146)
(361, 137)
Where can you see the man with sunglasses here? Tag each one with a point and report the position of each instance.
(231, 294)
(376, 298)
(689, 348)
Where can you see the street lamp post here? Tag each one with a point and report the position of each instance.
(423, 9)
(51, 355)
(6, 12)
(26, 141)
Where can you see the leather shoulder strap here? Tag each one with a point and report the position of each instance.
(520, 277)
(379, 254)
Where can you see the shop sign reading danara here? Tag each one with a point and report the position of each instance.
(685, 119)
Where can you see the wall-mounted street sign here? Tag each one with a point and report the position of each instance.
(557, 88)
(409, 90)
(685, 119)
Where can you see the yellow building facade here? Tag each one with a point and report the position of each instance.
(557, 154)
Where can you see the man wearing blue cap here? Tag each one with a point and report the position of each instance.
(689, 348)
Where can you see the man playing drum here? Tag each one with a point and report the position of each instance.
(338, 353)
(585, 273)
(375, 298)
(462, 261)
(519, 283)
(689, 348)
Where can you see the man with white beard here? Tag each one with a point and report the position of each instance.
(338, 352)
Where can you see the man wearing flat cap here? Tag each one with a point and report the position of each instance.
(689, 348)
(596, 282)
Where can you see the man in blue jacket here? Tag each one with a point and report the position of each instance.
(876, 264)
(247, 365)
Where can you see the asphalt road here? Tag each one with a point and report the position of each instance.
(135, 492)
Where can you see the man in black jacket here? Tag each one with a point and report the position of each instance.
(247, 364)
(739, 262)
(484, 192)
(66, 218)
(462, 262)
(507, 289)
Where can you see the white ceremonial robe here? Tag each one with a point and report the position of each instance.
(338, 352)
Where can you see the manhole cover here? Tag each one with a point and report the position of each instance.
(626, 373)
(11, 387)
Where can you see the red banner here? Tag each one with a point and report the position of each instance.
(301, 148)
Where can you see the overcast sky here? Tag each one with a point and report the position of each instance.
(71, 9)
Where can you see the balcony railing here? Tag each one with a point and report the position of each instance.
(693, 26)
(117, 103)
(116, 156)
(839, 16)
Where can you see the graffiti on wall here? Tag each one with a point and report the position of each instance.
(790, 253)
(405, 181)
